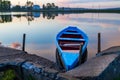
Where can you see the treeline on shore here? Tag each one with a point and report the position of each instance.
(6, 6)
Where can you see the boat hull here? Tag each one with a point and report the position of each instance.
(71, 47)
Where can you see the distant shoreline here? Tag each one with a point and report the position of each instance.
(68, 11)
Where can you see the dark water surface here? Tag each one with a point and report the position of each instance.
(41, 30)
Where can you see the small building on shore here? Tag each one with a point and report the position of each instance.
(36, 7)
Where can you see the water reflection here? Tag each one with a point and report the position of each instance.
(41, 33)
(5, 18)
(50, 15)
(30, 16)
(36, 14)
(15, 45)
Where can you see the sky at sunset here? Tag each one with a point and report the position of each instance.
(74, 3)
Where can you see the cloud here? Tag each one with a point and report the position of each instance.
(87, 1)
(91, 3)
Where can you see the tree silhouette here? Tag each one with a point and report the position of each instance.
(44, 7)
(29, 5)
(5, 5)
(50, 6)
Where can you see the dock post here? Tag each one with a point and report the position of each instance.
(23, 44)
(99, 42)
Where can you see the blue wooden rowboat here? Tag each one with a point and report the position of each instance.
(71, 48)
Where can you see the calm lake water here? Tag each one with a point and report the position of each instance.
(41, 30)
